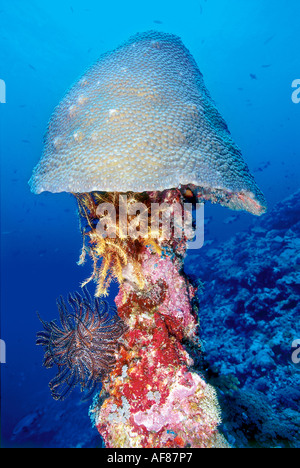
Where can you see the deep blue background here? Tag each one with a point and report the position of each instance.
(45, 46)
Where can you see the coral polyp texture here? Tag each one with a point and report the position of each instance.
(145, 107)
(84, 348)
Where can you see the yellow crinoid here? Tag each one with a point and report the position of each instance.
(118, 251)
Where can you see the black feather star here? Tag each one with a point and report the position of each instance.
(84, 348)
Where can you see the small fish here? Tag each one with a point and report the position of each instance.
(269, 39)
(253, 77)
(266, 66)
(25, 141)
(157, 22)
(262, 167)
(32, 67)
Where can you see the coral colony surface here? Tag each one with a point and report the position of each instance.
(138, 140)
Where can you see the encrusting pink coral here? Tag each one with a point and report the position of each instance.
(155, 400)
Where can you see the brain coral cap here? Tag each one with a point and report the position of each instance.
(141, 119)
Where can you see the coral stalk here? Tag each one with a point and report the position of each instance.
(155, 399)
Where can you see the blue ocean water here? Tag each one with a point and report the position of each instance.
(247, 52)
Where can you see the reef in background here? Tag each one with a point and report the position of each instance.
(249, 317)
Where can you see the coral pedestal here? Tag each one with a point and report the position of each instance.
(155, 400)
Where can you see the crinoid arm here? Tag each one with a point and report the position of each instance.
(111, 254)
(84, 348)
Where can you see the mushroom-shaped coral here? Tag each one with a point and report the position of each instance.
(141, 119)
(140, 128)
